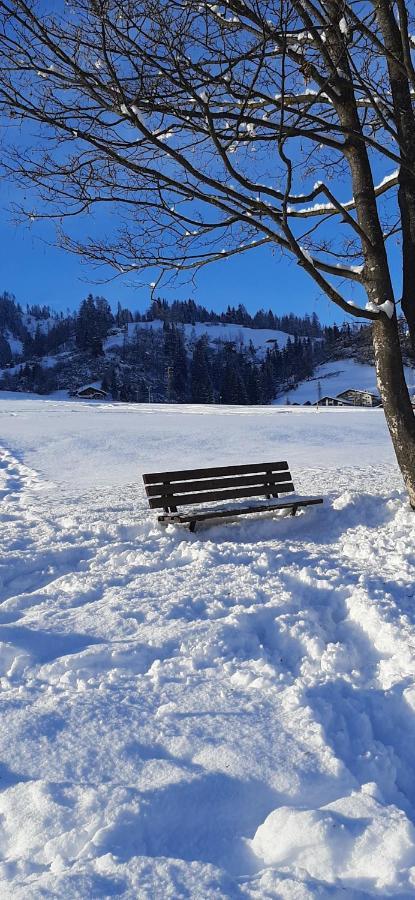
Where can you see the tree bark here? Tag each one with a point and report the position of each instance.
(377, 280)
(394, 393)
(405, 126)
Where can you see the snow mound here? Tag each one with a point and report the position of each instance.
(356, 838)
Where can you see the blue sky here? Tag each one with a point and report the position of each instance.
(35, 270)
(38, 272)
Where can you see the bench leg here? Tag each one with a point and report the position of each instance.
(192, 527)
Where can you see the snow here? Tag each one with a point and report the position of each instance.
(336, 377)
(215, 332)
(95, 385)
(307, 255)
(387, 307)
(388, 181)
(228, 714)
(32, 323)
(16, 345)
(354, 838)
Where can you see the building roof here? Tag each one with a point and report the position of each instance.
(359, 391)
(91, 387)
(334, 399)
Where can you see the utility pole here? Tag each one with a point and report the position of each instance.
(318, 395)
(169, 382)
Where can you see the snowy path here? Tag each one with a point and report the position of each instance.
(227, 714)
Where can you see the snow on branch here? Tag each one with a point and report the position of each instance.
(317, 209)
(388, 307)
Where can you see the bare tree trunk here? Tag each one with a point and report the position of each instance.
(400, 81)
(377, 277)
(395, 398)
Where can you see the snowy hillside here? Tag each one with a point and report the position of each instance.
(16, 345)
(33, 323)
(161, 358)
(228, 714)
(336, 377)
(261, 338)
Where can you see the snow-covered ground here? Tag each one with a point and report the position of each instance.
(336, 377)
(227, 714)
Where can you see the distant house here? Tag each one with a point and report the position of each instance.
(330, 401)
(91, 392)
(360, 398)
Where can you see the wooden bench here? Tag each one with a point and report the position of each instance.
(190, 487)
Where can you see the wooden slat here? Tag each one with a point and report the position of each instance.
(211, 484)
(218, 471)
(210, 496)
(240, 511)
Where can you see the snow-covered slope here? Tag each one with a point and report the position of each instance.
(33, 323)
(15, 344)
(336, 377)
(229, 714)
(261, 337)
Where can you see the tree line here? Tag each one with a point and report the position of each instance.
(157, 362)
(160, 364)
(90, 324)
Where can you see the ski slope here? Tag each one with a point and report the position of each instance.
(228, 714)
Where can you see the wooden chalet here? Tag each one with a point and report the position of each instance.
(360, 398)
(91, 392)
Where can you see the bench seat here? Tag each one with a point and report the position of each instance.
(176, 518)
(190, 487)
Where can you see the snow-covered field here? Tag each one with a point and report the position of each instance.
(227, 714)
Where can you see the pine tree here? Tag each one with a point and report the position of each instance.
(201, 382)
(93, 323)
(180, 366)
(233, 389)
(252, 385)
(6, 356)
(266, 380)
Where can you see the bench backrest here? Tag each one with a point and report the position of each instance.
(168, 490)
